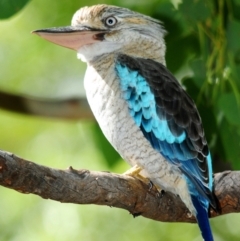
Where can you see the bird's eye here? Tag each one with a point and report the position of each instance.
(110, 21)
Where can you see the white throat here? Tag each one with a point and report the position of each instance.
(88, 52)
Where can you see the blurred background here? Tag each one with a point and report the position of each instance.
(203, 51)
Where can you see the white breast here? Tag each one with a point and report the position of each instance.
(111, 111)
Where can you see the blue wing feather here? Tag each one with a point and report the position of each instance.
(162, 113)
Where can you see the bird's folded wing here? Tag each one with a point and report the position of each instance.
(167, 117)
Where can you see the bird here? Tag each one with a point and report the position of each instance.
(141, 108)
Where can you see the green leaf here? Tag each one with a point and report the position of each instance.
(11, 7)
(191, 87)
(185, 47)
(227, 103)
(236, 9)
(233, 35)
(197, 10)
(199, 69)
(231, 141)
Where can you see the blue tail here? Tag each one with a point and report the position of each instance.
(201, 207)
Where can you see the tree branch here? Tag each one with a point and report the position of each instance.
(104, 188)
(65, 108)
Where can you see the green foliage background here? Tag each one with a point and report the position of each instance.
(203, 45)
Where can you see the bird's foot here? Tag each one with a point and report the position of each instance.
(135, 172)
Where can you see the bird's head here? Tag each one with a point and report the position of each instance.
(104, 29)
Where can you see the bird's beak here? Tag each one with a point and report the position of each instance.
(71, 37)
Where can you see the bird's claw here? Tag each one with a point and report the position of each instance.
(135, 172)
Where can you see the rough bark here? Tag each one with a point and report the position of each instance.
(115, 190)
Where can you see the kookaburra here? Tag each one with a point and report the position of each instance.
(141, 108)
